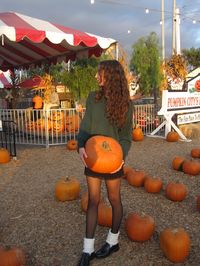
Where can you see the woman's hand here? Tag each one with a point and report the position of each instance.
(82, 155)
(118, 167)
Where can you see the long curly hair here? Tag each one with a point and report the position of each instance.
(115, 90)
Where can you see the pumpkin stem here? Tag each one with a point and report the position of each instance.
(106, 146)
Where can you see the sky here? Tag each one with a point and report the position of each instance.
(123, 20)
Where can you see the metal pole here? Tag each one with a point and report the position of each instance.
(178, 35)
(163, 30)
(174, 27)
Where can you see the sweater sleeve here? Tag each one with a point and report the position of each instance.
(85, 126)
(125, 133)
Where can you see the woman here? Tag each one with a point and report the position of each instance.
(108, 113)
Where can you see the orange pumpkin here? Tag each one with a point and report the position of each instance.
(12, 256)
(191, 167)
(58, 127)
(177, 163)
(136, 178)
(126, 170)
(172, 136)
(176, 191)
(195, 153)
(67, 189)
(153, 184)
(197, 85)
(4, 155)
(198, 202)
(57, 116)
(139, 227)
(72, 144)
(137, 134)
(104, 215)
(175, 244)
(72, 123)
(104, 154)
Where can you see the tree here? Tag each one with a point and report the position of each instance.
(145, 62)
(192, 56)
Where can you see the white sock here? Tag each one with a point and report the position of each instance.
(88, 245)
(112, 239)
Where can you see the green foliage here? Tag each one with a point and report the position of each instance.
(192, 56)
(145, 61)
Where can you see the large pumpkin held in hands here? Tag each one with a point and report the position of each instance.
(104, 154)
(12, 256)
(67, 189)
(175, 244)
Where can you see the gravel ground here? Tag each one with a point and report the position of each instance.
(51, 232)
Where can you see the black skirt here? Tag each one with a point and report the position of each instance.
(118, 174)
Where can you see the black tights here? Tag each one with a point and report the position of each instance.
(94, 192)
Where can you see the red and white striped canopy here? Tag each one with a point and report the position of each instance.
(5, 79)
(25, 40)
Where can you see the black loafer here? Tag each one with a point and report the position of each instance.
(86, 258)
(106, 250)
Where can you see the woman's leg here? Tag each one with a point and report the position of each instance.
(113, 190)
(111, 245)
(94, 192)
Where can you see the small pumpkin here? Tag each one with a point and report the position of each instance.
(139, 227)
(104, 154)
(67, 189)
(12, 256)
(172, 136)
(197, 85)
(176, 191)
(104, 214)
(137, 134)
(177, 163)
(72, 144)
(72, 123)
(153, 184)
(195, 153)
(198, 203)
(126, 169)
(191, 167)
(136, 178)
(175, 244)
(4, 155)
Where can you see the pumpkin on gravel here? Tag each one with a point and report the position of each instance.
(172, 136)
(195, 153)
(104, 154)
(137, 134)
(176, 191)
(191, 167)
(12, 256)
(136, 178)
(72, 144)
(153, 184)
(67, 189)
(177, 163)
(4, 155)
(139, 227)
(175, 244)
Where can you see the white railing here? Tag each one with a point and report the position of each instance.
(57, 126)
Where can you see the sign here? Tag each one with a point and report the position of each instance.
(188, 118)
(61, 89)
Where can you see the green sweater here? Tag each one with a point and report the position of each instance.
(95, 123)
